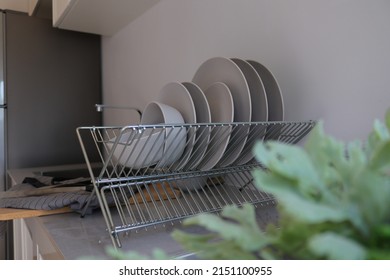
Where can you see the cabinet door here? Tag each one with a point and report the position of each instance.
(17, 229)
(27, 243)
(23, 243)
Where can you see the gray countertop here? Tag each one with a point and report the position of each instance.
(77, 238)
(87, 237)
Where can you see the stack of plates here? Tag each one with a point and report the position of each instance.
(256, 97)
(223, 90)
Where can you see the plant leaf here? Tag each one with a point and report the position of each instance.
(334, 246)
(208, 247)
(309, 211)
(115, 254)
(380, 159)
(357, 158)
(372, 196)
(242, 229)
(305, 209)
(245, 216)
(336, 162)
(289, 162)
(387, 119)
(379, 134)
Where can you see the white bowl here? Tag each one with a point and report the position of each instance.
(175, 137)
(138, 149)
(151, 146)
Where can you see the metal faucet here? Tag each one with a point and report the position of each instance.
(101, 107)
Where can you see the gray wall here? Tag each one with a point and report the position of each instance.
(330, 57)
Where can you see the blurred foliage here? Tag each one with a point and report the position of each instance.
(115, 254)
(333, 199)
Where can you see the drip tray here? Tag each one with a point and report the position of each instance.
(67, 174)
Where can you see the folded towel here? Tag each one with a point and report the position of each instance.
(75, 200)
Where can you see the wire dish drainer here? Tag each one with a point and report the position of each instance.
(153, 174)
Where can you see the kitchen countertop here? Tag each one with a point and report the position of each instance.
(77, 238)
(87, 237)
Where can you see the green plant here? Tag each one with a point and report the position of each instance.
(333, 198)
(115, 254)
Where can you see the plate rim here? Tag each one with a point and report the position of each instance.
(200, 152)
(242, 113)
(215, 159)
(190, 136)
(274, 95)
(256, 94)
(274, 81)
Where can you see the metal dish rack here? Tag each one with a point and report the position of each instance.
(137, 190)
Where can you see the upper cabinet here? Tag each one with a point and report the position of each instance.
(17, 5)
(24, 6)
(32, 5)
(97, 16)
(60, 8)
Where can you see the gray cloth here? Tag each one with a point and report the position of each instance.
(75, 200)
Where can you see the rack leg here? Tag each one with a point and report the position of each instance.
(115, 239)
(87, 204)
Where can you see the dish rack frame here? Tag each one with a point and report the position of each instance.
(164, 190)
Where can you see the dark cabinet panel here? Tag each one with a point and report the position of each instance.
(53, 80)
